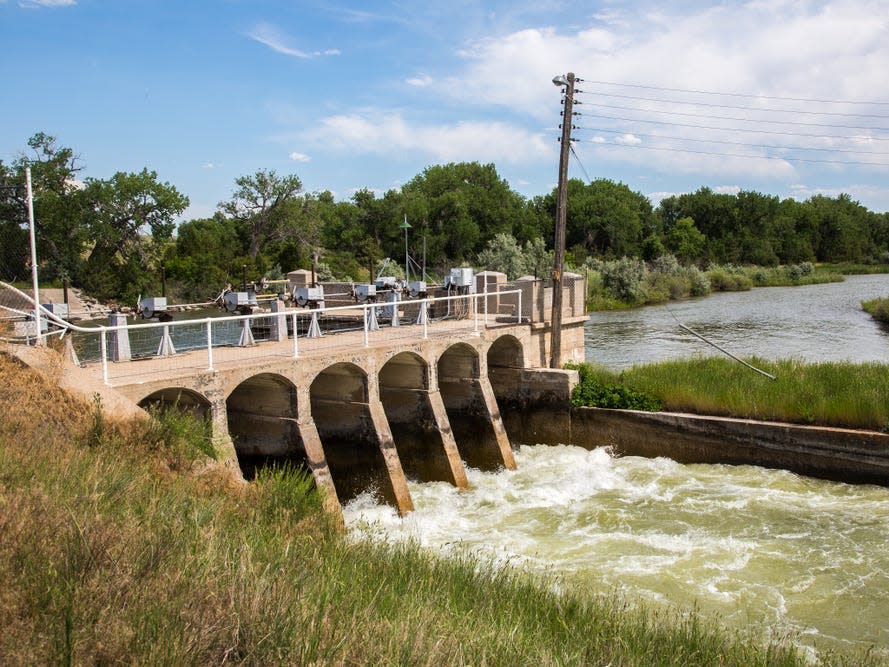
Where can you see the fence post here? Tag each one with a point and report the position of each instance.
(295, 336)
(103, 344)
(209, 345)
(366, 340)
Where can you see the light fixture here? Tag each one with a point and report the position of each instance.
(560, 80)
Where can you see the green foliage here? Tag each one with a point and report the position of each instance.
(877, 308)
(503, 253)
(833, 394)
(600, 389)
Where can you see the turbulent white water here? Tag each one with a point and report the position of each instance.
(760, 549)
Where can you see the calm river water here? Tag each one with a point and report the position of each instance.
(766, 551)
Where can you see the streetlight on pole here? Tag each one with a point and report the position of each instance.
(566, 82)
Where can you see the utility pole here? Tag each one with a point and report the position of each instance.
(33, 238)
(561, 216)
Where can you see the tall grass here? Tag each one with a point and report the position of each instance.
(877, 308)
(830, 393)
(114, 551)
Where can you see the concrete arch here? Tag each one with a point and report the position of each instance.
(355, 436)
(506, 352)
(418, 421)
(261, 413)
(472, 410)
(180, 398)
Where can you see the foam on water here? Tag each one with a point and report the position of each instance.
(756, 547)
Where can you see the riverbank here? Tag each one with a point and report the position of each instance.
(630, 283)
(120, 545)
(840, 394)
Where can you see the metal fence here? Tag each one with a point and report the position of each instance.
(127, 350)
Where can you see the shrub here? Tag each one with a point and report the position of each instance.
(877, 308)
(595, 391)
(623, 278)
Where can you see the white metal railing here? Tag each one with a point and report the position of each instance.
(268, 333)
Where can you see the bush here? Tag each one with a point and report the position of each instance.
(623, 278)
(595, 391)
(877, 308)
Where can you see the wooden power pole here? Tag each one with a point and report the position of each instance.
(561, 216)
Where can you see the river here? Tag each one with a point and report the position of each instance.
(765, 551)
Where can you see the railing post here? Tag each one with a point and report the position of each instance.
(295, 336)
(103, 345)
(426, 319)
(520, 307)
(475, 310)
(209, 345)
(486, 303)
(366, 340)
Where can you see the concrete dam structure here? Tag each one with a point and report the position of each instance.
(364, 409)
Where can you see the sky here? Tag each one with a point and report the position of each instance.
(786, 98)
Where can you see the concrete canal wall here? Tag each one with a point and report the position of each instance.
(845, 455)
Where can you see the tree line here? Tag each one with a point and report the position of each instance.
(113, 237)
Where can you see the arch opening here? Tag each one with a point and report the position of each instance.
(506, 361)
(185, 401)
(467, 410)
(262, 423)
(420, 430)
(352, 446)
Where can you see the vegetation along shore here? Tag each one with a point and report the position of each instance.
(838, 394)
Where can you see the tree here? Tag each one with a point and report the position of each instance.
(258, 204)
(59, 227)
(129, 217)
(685, 241)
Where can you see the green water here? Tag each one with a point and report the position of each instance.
(765, 551)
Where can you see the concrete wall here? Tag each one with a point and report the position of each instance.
(828, 453)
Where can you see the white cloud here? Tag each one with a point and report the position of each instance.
(299, 157)
(420, 81)
(628, 139)
(31, 4)
(827, 50)
(390, 134)
(727, 189)
(270, 36)
(210, 165)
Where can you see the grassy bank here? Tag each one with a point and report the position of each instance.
(836, 394)
(629, 282)
(877, 308)
(117, 548)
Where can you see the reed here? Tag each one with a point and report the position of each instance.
(120, 548)
(842, 394)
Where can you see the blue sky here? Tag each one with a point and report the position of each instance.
(351, 95)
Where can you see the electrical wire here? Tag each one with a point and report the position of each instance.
(744, 155)
(746, 95)
(737, 143)
(743, 108)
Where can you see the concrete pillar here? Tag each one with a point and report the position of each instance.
(222, 441)
(493, 411)
(403, 500)
(448, 443)
(317, 463)
(278, 322)
(119, 340)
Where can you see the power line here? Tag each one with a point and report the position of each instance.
(736, 143)
(742, 155)
(746, 95)
(744, 120)
(744, 108)
(737, 129)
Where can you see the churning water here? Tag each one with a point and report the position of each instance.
(764, 550)
(767, 551)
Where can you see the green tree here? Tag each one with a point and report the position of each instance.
(258, 204)
(685, 241)
(129, 216)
